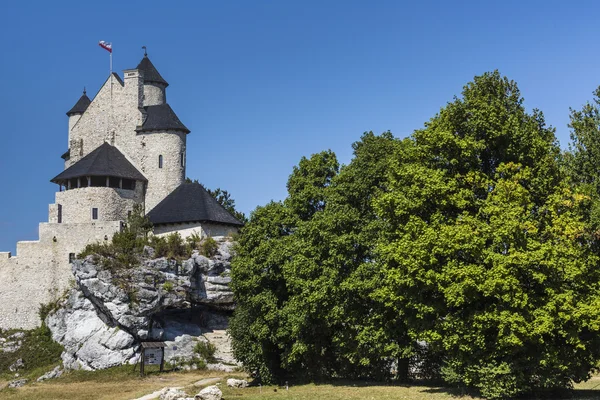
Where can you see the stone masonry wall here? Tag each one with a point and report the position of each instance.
(40, 272)
(102, 119)
(161, 181)
(203, 229)
(154, 94)
(113, 204)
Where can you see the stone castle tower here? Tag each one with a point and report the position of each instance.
(126, 147)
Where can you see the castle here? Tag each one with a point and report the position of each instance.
(127, 147)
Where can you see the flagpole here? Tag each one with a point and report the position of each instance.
(110, 62)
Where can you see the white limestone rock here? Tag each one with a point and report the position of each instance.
(210, 393)
(89, 343)
(17, 383)
(55, 373)
(17, 365)
(237, 383)
(172, 394)
(107, 314)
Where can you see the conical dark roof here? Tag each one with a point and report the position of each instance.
(106, 160)
(190, 202)
(161, 117)
(150, 72)
(81, 105)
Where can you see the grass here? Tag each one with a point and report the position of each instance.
(124, 383)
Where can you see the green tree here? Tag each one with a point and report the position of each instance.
(310, 313)
(485, 252)
(582, 161)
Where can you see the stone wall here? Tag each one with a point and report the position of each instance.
(105, 116)
(203, 229)
(112, 204)
(154, 94)
(161, 181)
(40, 272)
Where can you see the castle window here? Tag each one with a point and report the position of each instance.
(98, 181)
(113, 182)
(182, 160)
(128, 184)
(160, 161)
(71, 257)
(94, 213)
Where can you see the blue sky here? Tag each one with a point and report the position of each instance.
(263, 83)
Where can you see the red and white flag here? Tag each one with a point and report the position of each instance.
(106, 46)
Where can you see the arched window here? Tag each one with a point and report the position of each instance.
(160, 161)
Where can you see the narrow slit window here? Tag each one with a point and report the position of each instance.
(71, 258)
(182, 160)
(160, 161)
(94, 213)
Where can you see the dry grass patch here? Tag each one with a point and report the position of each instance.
(123, 383)
(114, 384)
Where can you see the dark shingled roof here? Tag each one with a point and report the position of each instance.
(190, 202)
(81, 105)
(150, 72)
(161, 117)
(106, 160)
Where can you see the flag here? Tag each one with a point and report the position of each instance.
(106, 46)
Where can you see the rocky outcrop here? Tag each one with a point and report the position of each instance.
(103, 319)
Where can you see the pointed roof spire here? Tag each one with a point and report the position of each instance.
(81, 105)
(150, 72)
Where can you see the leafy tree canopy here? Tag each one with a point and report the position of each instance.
(485, 250)
(463, 250)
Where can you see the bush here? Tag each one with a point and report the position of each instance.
(175, 246)
(194, 241)
(209, 247)
(206, 350)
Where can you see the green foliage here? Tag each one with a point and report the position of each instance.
(304, 269)
(38, 351)
(485, 252)
(168, 286)
(175, 246)
(582, 160)
(206, 351)
(194, 240)
(462, 249)
(209, 247)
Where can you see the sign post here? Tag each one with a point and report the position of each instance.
(153, 353)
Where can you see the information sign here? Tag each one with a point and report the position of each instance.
(152, 356)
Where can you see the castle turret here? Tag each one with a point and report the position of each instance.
(78, 109)
(154, 83)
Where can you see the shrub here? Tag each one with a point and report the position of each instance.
(209, 247)
(175, 246)
(168, 286)
(194, 241)
(206, 350)
(159, 244)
